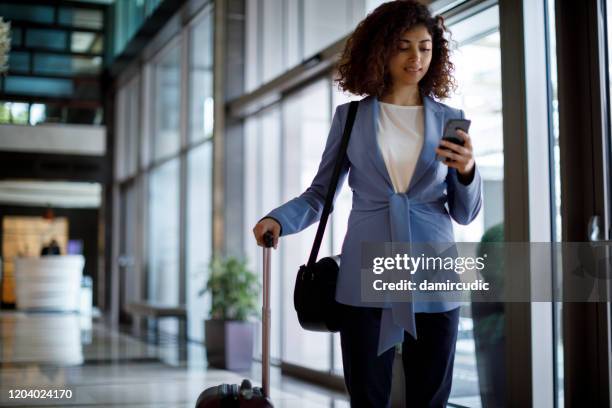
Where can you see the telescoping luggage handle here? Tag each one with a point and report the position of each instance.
(265, 313)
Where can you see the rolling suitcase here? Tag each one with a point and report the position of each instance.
(244, 395)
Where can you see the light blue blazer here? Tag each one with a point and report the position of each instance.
(380, 214)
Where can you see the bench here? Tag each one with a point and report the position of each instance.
(158, 311)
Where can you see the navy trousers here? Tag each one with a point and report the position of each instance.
(428, 361)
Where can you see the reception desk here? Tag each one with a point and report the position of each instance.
(50, 283)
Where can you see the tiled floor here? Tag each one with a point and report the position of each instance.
(104, 368)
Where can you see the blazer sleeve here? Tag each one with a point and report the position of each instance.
(306, 209)
(464, 199)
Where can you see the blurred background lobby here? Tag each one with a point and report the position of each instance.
(140, 138)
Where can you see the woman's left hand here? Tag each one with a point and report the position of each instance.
(459, 157)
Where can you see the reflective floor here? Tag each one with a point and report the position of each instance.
(45, 357)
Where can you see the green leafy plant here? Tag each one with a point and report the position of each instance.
(492, 243)
(234, 289)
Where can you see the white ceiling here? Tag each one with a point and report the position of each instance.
(57, 194)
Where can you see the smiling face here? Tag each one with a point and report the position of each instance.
(412, 58)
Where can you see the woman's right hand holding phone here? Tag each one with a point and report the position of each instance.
(266, 225)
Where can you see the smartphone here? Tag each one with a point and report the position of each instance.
(450, 133)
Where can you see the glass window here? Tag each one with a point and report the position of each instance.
(14, 112)
(163, 238)
(270, 193)
(201, 80)
(479, 373)
(85, 18)
(129, 16)
(19, 113)
(272, 46)
(262, 193)
(250, 185)
(166, 103)
(325, 22)
(86, 42)
(19, 61)
(58, 113)
(47, 113)
(151, 5)
(134, 17)
(66, 64)
(251, 44)
(119, 29)
(199, 235)
(479, 95)
(15, 37)
(306, 123)
(296, 153)
(38, 86)
(282, 33)
(5, 112)
(293, 37)
(37, 114)
(372, 4)
(38, 14)
(44, 38)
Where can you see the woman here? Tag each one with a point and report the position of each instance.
(398, 57)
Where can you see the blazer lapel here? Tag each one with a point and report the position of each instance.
(370, 122)
(433, 133)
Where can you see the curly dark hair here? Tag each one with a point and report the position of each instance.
(363, 66)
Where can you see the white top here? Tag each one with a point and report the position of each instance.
(400, 138)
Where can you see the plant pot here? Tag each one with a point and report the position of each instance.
(229, 344)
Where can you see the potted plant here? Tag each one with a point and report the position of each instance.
(228, 333)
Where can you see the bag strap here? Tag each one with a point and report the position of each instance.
(348, 126)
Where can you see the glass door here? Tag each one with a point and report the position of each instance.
(479, 370)
(306, 121)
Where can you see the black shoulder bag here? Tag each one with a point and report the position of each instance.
(314, 297)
